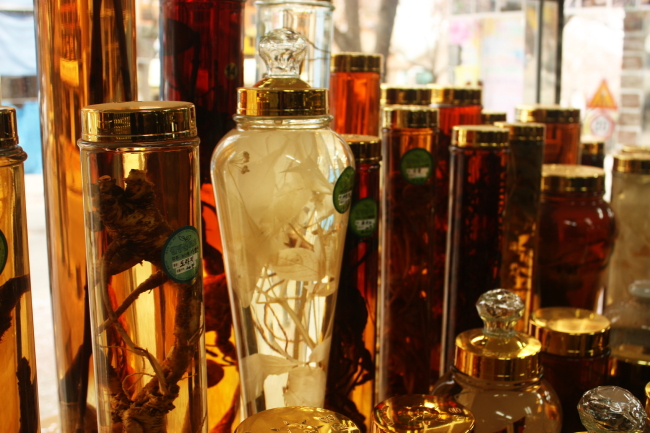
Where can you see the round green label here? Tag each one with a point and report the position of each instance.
(181, 254)
(342, 195)
(416, 166)
(4, 251)
(364, 217)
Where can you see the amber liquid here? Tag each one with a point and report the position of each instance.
(85, 57)
(409, 330)
(476, 207)
(562, 143)
(351, 371)
(354, 102)
(19, 408)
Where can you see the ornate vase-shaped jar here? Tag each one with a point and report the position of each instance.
(283, 185)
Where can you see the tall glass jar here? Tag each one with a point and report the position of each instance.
(521, 221)
(310, 18)
(355, 92)
(562, 131)
(408, 329)
(497, 373)
(576, 236)
(477, 190)
(592, 151)
(143, 223)
(611, 409)
(575, 355)
(630, 191)
(283, 185)
(351, 371)
(19, 408)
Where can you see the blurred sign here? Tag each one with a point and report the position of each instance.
(601, 125)
(603, 98)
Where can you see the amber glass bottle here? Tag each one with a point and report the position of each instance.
(407, 327)
(576, 236)
(479, 164)
(19, 408)
(592, 151)
(491, 117)
(562, 131)
(354, 93)
(575, 355)
(521, 225)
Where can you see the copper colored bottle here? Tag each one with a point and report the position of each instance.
(491, 117)
(575, 355)
(562, 131)
(354, 93)
(407, 326)
(351, 371)
(592, 151)
(576, 236)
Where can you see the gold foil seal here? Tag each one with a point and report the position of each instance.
(282, 102)
(297, 419)
(455, 95)
(569, 331)
(357, 62)
(8, 127)
(637, 163)
(409, 116)
(533, 132)
(396, 95)
(479, 136)
(366, 148)
(546, 114)
(137, 122)
(490, 117)
(591, 145)
(421, 414)
(562, 178)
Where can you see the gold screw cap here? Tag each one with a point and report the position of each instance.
(8, 127)
(479, 136)
(357, 62)
(295, 419)
(546, 114)
(490, 117)
(366, 148)
(455, 95)
(637, 163)
(592, 145)
(563, 178)
(533, 132)
(397, 95)
(409, 116)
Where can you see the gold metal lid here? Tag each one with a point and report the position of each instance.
(366, 148)
(569, 331)
(357, 62)
(409, 116)
(455, 95)
(421, 413)
(479, 136)
(562, 178)
(637, 163)
(635, 149)
(592, 145)
(396, 95)
(128, 122)
(497, 352)
(546, 114)
(297, 419)
(533, 132)
(282, 92)
(489, 117)
(8, 127)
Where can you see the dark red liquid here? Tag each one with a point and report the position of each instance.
(354, 102)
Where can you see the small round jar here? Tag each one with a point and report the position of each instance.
(297, 419)
(592, 151)
(575, 354)
(562, 130)
(576, 235)
(491, 117)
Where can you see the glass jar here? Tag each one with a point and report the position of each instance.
(592, 151)
(293, 419)
(491, 117)
(611, 409)
(562, 144)
(408, 346)
(575, 355)
(497, 373)
(477, 190)
(576, 236)
(19, 408)
(355, 92)
(631, 257)
(283, 185)
(143, 223)
(351, 371)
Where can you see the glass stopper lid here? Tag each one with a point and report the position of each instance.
(297, 419)
(611, 409)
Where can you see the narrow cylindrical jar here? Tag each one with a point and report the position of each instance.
(408, 328)
(630, 191)
(491, 117)
(592, 151)
(283, 185)
(479, 165)
(351, 371)
(521, 223)
(562, 145)
(575, 355)
(19, 408)
(355, 93)
(297, 418)
(576, 236)
(143, 222)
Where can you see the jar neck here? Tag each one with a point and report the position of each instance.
(279, 122)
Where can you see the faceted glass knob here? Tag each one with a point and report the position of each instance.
(500, 310)
(283, 51)
(611, 409)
